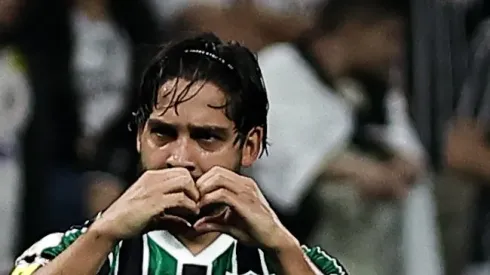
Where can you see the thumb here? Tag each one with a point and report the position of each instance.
(167, 222)
(400, 190)
(205, 227)
(217, 219)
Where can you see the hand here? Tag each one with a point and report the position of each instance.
(407, 171)
(465, 140)
(144, 205)
(378, 181)
(248, 217)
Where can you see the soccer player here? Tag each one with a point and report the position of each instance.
(202, 116)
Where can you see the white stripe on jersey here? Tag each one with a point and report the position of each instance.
(146, 256)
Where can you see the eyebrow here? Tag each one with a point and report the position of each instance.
(219, 130)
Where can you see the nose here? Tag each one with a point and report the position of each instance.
(181, 156)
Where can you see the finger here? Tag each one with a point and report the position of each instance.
(219, 218)
(217, 170)
(180, 184)
(166, 174)
(177, 200)
(213, 171)
(212, 227)
(399, 189)
(218, 181)
(401, 192)
(227, 197)
(226, 229)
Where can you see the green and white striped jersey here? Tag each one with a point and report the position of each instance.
(160, 253)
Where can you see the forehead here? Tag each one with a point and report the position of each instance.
(195, 103)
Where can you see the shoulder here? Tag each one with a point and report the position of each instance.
(278, 58)
(50, 246)
(46, 249)
(276, 52)
(43, 251)
(326, 263)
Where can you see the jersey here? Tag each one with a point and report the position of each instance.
(160, 253)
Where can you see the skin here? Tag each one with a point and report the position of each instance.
(9, 12)
(467, 150)
(191, 162)
(372, 47)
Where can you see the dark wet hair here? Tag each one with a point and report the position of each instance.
(205, 58)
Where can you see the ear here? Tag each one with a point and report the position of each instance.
(252, 146)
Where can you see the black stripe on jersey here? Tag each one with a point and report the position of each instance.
(131, 256)
(105, 269)
(248, 259)
(190, 269)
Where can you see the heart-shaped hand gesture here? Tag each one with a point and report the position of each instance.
(160, 199)
(247, 217)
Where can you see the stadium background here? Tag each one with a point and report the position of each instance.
(68, 75)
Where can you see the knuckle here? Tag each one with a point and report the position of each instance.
(221, 194)
(216, 169)
(250, 184)
(220, 177)
(181, 198)
(251, 199)
(188, 181)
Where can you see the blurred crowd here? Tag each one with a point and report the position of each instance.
(379, 119)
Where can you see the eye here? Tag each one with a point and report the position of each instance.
(162, 134)
(208, 140)
(206, 136)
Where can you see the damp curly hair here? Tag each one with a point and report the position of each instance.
(201, 59)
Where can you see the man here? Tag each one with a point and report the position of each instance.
(468, 154)
(340, 140)
(438, 65)
(15, 112)
(201, 117)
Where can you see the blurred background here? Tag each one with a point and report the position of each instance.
(379, 119)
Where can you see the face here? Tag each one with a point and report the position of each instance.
(377, 47)
(9, 12)
(194, 136)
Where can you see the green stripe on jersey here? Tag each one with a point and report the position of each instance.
(161, 262)
(68, 238)
(224, 262)
(326, 263)
(115, 259)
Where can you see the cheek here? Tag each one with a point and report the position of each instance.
(229, 159)
(152, 157)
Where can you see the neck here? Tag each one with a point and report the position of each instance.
(194, 242)
(330, 57)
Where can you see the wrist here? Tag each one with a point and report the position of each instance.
(100, 229)
(281, 242)
(289, 258)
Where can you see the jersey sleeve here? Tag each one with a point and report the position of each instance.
(48, 248)
(327, 264)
